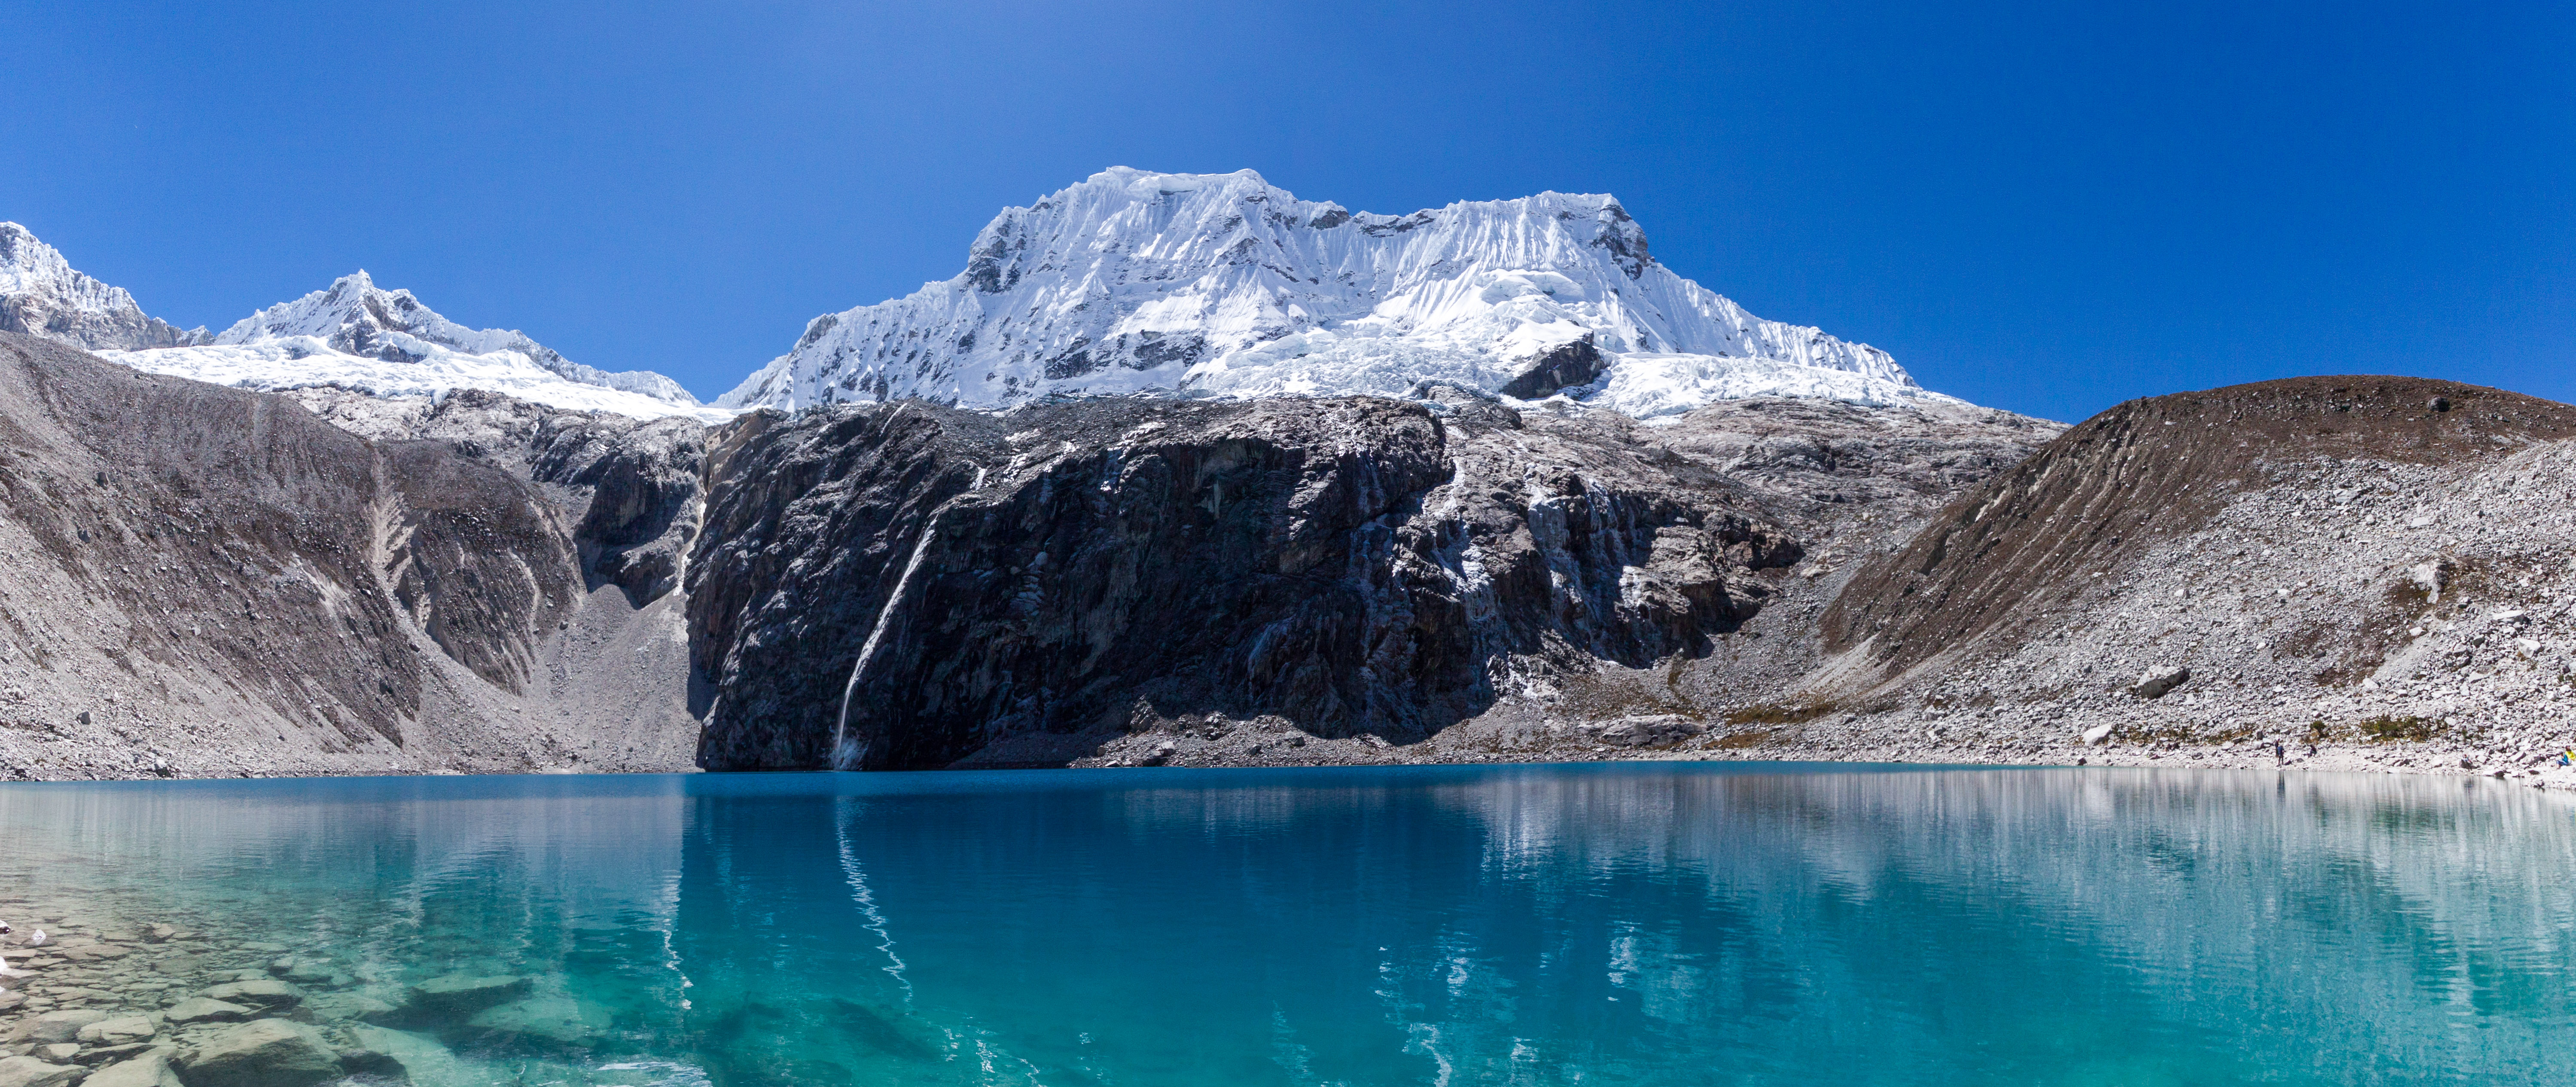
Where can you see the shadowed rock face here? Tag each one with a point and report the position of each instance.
(1070, 570)
(643, 485)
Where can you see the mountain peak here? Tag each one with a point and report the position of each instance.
(41, 295)
(353, 334)
(1133, 281)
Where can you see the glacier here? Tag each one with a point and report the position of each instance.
(1134, 282)
(356, 335)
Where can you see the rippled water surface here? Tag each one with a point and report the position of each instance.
(1652, 924)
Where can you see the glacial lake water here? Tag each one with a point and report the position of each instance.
(1631, 924)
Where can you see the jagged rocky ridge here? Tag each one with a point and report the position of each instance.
(354, 335)
(1222, 284)
(41, 296)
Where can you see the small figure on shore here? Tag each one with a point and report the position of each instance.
(2280, 754)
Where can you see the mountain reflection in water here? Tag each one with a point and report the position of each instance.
(1636, 923)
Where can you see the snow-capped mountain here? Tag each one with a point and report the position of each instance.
(355, 335)
(41, 295)
(1222, 284)
(360, 336)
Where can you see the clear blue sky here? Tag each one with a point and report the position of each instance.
(2042, 206)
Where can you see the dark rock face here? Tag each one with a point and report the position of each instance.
(1573, 365)
(959, 580)
(643, 484)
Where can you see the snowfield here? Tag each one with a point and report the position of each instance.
(1185, 284)
(359, 336)
(304, 362)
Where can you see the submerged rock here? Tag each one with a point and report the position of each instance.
(265, 994)
(119, 1031)
(557, 1020)
(152, 1069)
(263, 1053)
(200, 1009)
(56, 1026)
(460, 996)
(31, 1072)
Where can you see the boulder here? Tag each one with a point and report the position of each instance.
(59, 1052)
(1654, 731)
(423, 1060)
(459, 996)
(102, 1056)
(55, 1026)
(357, 1006)
(2160, 681)
(118, 1031)
(152, 1069)
(263, 1053)
(200, 1009)
(558, 1020)
(264, 994)
(31, 1072)
(2097, 734)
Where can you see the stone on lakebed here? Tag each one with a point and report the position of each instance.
(263, 1053)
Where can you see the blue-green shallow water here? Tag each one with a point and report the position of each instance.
(1646, 924)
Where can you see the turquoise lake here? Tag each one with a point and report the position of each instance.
(1630, 924)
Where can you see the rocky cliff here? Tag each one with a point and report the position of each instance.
(2337, 572)
(907, 586)
(331, 581)
(213, 581)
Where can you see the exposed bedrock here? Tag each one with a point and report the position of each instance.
(1036, 580)
(630, 489)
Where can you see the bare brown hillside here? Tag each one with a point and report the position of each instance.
(2021, 549)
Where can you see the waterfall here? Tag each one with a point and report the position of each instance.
(842, 757)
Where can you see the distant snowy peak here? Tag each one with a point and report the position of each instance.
(1222, 284)
(42, 295)
(356, 317)
(355, 335)
(359, 336)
